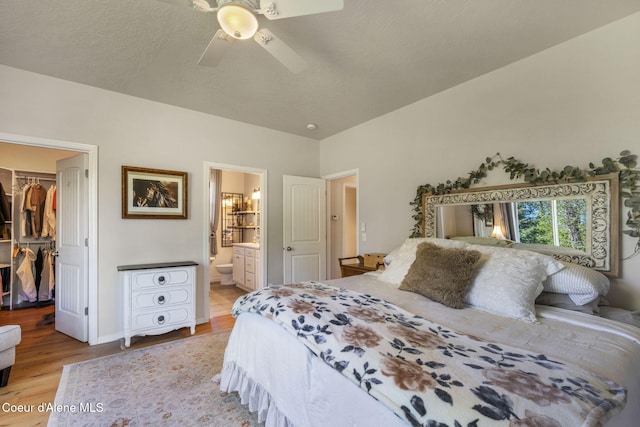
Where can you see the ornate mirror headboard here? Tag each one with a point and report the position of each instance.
(574, 221)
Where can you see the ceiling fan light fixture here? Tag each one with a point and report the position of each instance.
(237, 21)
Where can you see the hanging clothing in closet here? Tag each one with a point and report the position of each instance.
(47, 279)
(36, 277)
(28, 291)
(36, 219)
(25, 214)
(49, 218)
(5, 214)
(5, 273)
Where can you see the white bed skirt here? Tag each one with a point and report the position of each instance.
(287, 385)
(253, 395)
(274, 360)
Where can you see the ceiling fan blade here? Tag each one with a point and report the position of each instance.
(217, 46)
(199, 5)
(178, 2)
(278, 9)
(280, 50)
(204, 5)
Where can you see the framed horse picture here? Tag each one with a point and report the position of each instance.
(154, 193)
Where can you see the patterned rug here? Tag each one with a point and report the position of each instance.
(168, 384)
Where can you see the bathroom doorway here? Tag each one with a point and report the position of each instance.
(236, 249)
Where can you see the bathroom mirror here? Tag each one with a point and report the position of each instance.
(576, 222)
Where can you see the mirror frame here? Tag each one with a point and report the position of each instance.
(603, 201)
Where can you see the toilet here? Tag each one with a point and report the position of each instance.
(226, 274)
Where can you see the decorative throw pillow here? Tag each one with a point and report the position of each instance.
(398, 262)
(441, 274)
(508, 281)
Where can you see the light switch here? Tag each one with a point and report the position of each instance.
(363, 226)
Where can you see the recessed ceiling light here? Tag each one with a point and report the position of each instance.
(312, 126)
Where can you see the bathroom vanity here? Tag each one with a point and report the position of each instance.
(246, 266)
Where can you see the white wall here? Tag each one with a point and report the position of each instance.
(135, 132)
(572, 104)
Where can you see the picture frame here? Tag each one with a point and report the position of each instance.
(154, 193)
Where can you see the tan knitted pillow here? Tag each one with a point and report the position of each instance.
(441, 274)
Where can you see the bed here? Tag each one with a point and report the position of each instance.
(298, 360)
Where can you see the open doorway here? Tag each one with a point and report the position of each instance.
(38, 157)
(343, 220)
(236, 233)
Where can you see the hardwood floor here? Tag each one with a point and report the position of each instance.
(222, 298)
(43, 352)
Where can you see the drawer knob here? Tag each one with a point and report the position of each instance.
(162, 280)
(161, 299)
(161, 319)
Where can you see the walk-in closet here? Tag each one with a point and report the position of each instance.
(28, 228)
(28, 225)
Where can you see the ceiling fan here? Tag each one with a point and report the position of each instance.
(238, 21)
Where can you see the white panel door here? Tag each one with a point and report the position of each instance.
(72, 260)
(304, 212)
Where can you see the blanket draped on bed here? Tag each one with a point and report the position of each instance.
(429, 375)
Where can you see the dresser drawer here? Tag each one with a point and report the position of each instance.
(160, 318)
(238, 250)
(155, 278)
(161, 298)
(250, 252)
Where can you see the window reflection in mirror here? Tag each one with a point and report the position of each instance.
(553, 222)
(557, 222)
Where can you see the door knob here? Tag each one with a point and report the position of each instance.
(289, 248)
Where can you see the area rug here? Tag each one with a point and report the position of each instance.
(168, 384)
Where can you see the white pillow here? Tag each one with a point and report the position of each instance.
(508, 281)
(398, 261)
(582, 284)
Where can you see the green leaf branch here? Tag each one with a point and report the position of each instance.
(625, 166)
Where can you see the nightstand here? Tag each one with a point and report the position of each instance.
(353, 269)
(157, 298)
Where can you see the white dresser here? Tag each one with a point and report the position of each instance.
(157, 298)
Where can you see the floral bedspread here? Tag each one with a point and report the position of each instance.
(429, 375)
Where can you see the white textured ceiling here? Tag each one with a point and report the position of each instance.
(364, 61)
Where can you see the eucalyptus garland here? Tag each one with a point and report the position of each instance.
(625, 166)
